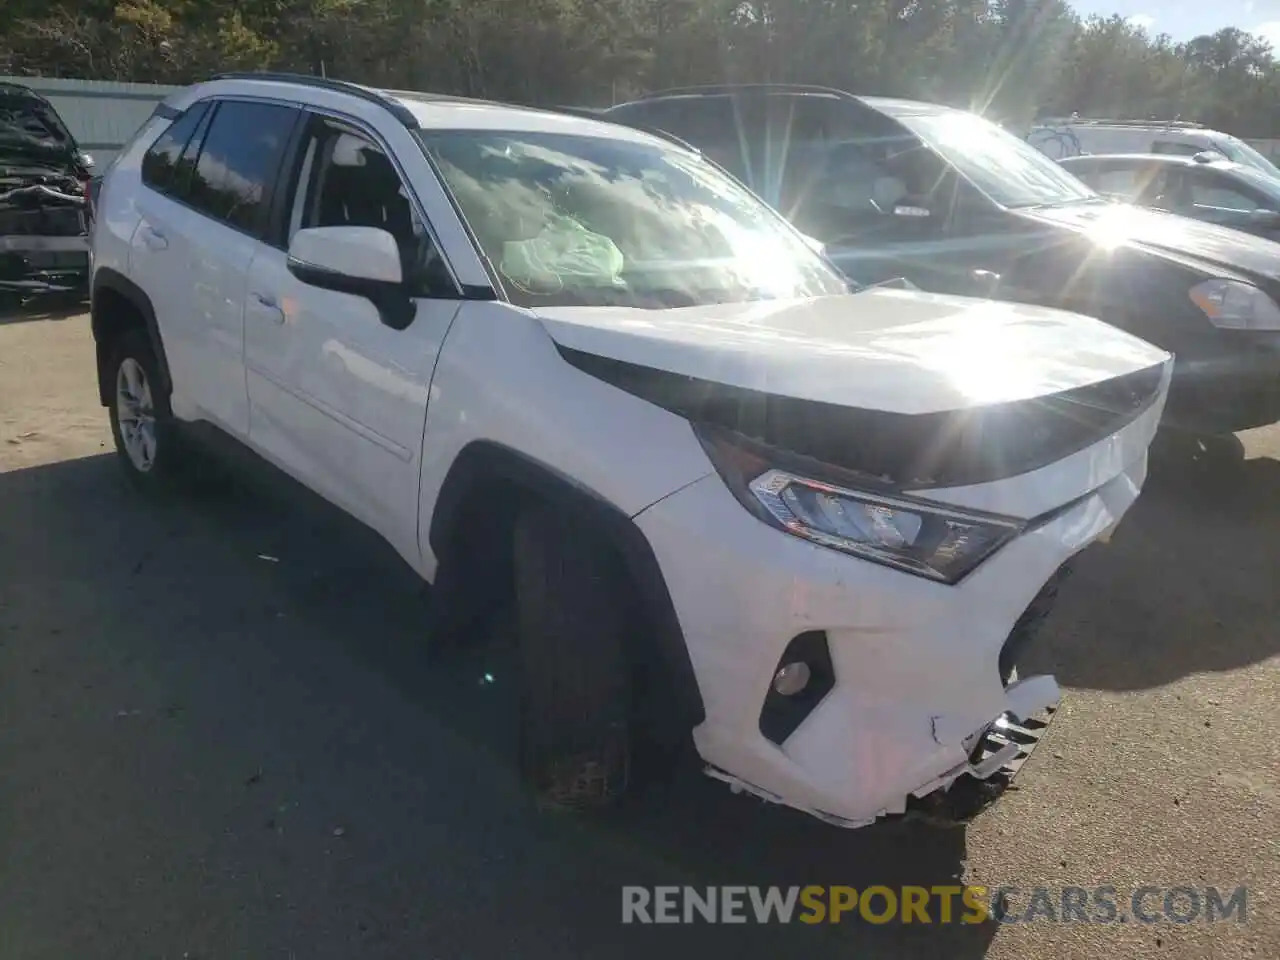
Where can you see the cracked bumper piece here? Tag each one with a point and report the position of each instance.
(996, 754)
(911, 713)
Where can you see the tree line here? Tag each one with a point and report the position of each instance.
(1010, 59)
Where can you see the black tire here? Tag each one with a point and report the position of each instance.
(1029, 625)
(575, 744)
(166, 462)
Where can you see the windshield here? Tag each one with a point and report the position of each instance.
(590, 221)
(1008, 170)
(1241, 152)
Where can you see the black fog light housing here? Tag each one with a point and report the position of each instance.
(802, 679)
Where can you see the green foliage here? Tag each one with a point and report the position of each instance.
(1010, 59)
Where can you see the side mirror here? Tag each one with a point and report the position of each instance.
(1267, 218)
(361, 261)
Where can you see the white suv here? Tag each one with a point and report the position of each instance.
(737, 504)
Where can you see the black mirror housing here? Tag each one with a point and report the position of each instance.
(395, 307)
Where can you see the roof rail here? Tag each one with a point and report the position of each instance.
(1118, 122)
(397, 109)
(722, 88)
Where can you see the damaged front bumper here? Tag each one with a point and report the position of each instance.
(995, 755)
(908, 709)
(44, 242)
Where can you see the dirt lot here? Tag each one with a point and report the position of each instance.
(223, 735)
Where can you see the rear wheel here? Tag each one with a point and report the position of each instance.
(576, 697)
(141, 421)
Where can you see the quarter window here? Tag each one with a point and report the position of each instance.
(241, 154)
(160, 163)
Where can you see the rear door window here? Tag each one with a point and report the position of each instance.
(239, 160)
(1130, 181)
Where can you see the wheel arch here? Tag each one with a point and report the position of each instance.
(118, 304)
(486, 473)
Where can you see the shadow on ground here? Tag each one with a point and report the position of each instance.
(52, 306)
(224, 734)
(1187, 585)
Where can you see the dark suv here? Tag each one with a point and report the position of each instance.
(955, 204)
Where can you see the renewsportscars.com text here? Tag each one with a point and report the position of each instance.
(933, 905)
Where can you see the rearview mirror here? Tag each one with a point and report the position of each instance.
(361, 261)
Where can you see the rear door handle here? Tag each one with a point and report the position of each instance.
(154, 239)
(269, 306)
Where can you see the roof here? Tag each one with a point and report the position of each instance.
(437, 111)
(890, 106)
(455, 113)
(895, 107)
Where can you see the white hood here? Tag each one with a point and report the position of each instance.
(881, 349)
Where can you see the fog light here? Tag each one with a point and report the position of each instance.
(792, 678)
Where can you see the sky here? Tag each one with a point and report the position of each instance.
(1184, 19)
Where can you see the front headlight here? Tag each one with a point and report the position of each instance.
(927, 539)
(1235, 305)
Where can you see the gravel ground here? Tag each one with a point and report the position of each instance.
(223, 735)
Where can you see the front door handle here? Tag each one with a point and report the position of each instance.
(269, 306)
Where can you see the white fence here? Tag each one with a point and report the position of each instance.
(102, 115)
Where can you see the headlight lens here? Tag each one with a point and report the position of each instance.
(1235, 305)
(929, 540)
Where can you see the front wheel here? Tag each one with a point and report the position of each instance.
(1029, 625)
(576, 710)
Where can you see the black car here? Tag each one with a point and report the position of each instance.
(955, 204)
(44, 198)
(1206, 186)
